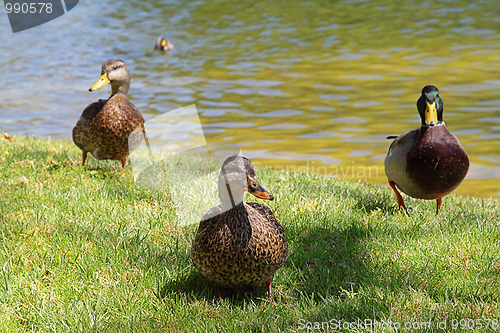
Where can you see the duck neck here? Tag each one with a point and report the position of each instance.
(230, 196)
(426, 130)
(120, 88)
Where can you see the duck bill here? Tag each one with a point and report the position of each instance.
(103, 80)
(431, 114)
(261, 193)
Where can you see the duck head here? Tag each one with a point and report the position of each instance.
(113, 71)
(430, 106)
(163, 44)
(237, 176)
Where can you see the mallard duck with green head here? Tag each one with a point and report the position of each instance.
(107, 128)
(427, 162)
(239, 243)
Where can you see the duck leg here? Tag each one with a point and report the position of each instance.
(123, 163)
(438, 205)
(219, 289)
(84, 157)
(269, 283)
(401, 202)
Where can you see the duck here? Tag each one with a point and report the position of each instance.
(110, 128)
(427, 162)
(163, 44)
(239, 244)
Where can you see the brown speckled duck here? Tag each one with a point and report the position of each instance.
(163, 44)
(427, 162)
(239, 243)
(105, 127)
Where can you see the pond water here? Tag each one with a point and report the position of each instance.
(315, 84)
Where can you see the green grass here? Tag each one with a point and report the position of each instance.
(84, 249)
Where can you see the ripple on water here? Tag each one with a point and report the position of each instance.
(211, 94)
(489, 136)
(319, 135)
(258, 83)
(478, 171)
(349, 120)
(287, 74)
(493, 159)
(490, 119)
(322, 108)
(213, 130)
(360, 153)
(470, 131)
(181, 81)
(280, 113)
(328, 27)
(257, 91)
(222, 104)
(216, 112)
(380, 157)
(491, 102)
(230, 124)
(480, 109)
(282, 126)
(344, 88)
(469, 88)
(349, 56)
(423, 31)
(366, 104)
(352, 129)
(334, 97)
(368, 139)
(363, 77)
(290, 156)
(271, 141)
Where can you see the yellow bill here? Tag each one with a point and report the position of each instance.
(431, 116)
(163, 43)
(103, 80)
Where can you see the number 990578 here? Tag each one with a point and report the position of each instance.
(40, 7)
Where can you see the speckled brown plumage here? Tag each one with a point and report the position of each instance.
(242, 244)
(105, 127)
(428, 162)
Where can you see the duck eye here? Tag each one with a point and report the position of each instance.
(254, 184)
(115, 67)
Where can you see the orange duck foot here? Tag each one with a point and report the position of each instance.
(401, 202)
(84, 157)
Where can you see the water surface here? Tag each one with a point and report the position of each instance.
(313, 84)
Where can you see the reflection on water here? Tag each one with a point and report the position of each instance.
(295, 84)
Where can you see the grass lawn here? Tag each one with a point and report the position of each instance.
(84, 249)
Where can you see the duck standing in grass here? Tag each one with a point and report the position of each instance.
(239, 243)
(106, 127)
(427, 162)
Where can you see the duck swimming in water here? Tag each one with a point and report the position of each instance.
(163, 44)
